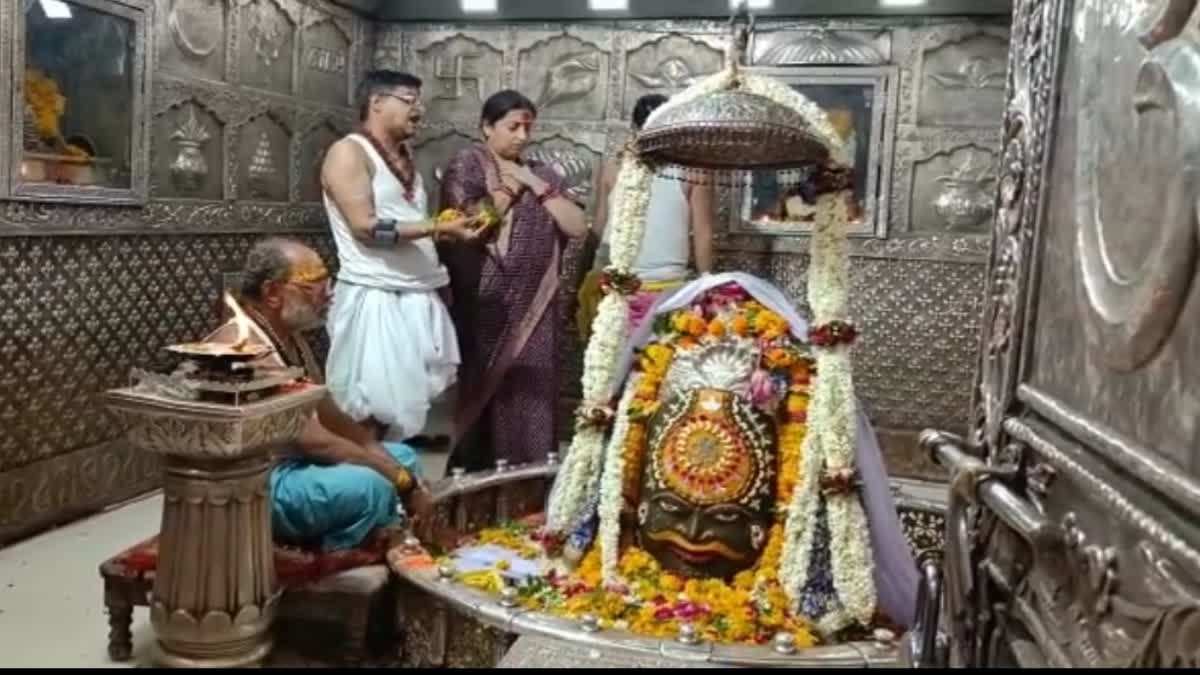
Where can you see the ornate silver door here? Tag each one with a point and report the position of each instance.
(1074, 522)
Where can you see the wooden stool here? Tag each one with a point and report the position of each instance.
(342, 586)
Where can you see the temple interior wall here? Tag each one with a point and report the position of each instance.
(262, 87)
(918, 262)
(87, 292)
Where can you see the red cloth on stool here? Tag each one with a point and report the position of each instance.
(293, 566)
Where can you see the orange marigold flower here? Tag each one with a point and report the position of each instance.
(740, 325)
(716, 328)
(779, 357)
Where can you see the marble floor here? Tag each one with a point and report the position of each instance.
(51, 609)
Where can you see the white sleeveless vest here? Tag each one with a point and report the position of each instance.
(666, 244)
(409, 266)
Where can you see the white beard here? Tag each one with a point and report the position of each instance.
(300, 317)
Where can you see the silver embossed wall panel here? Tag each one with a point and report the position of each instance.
(325, 64)
(667, 63)
(958, 76)
(1082, 547)
(192, 138)
(917, 291)
(1118, 325)
(566, 75)
(460, 69)
(262, 151)
(245, 98)
(265, 40)
(821, 47)
(192, 37)
(945, 180)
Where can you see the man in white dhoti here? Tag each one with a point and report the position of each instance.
(392, 344)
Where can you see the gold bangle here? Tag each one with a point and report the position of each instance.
(403, 480)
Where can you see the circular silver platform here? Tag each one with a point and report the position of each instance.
(496, 493)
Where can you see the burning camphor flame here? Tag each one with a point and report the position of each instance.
(243, 322)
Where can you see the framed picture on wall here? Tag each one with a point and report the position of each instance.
(80, 73)
(860, 103)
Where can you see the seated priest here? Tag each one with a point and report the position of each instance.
(334, 485)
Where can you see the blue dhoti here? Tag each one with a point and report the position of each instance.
(334, 506)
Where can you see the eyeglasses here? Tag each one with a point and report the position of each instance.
(408, 99)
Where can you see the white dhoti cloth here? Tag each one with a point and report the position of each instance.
(391, 354)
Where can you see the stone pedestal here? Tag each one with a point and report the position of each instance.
(215, 592)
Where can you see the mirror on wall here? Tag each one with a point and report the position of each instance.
(78, 132)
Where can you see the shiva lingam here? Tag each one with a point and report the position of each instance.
(215, 419)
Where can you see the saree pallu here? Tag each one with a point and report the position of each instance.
(507, 320)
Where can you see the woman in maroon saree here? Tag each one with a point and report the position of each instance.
(504, 291)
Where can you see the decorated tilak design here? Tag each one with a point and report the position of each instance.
(710, 454)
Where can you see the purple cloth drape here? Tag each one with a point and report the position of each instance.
(896, 577)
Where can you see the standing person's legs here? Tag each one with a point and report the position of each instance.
(349, 347)
(474, 451)
(525, 408)
(390, 354)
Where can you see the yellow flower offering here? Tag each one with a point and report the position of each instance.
(655, 359)
(512, 539)
(769, 324)
(488, 215)
(448, 215)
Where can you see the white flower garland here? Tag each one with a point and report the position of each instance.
(830, 442)
(612, 487)
(584, 458)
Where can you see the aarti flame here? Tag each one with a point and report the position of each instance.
(243, 322)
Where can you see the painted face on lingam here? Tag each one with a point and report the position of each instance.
(707, 495)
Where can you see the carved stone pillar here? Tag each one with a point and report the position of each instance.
(215, 592)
